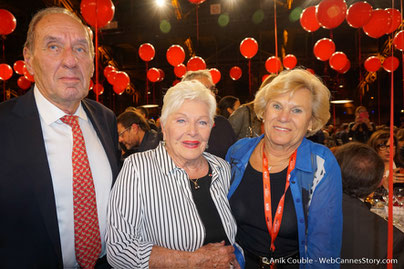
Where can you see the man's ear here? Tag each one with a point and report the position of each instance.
(135, 127)
(229, 110)
(28, 60)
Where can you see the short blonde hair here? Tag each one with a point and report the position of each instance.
(289, 81)
(187, 90)
(194, 75)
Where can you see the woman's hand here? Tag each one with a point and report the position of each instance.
(214, 255)
(397, 176)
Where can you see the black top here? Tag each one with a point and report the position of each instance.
(362, 133)
(207, 210)
(221, 137)
(247, 204)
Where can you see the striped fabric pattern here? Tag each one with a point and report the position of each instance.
(151, 204)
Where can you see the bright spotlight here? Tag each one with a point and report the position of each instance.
(160, 3)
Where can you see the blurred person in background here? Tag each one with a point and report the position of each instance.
(222, 135)
(364, 232)
(227, 105)
(362, 128)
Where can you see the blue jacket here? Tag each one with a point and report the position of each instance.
(316, 189)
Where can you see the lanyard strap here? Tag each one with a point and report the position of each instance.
(273, 228)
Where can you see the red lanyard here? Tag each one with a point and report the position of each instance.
(274, 228)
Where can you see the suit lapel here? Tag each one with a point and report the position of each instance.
(27, 133)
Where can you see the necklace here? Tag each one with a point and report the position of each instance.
(195, 181)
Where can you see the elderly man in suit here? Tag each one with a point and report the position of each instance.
(58, 154)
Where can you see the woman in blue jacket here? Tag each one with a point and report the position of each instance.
(286, 190)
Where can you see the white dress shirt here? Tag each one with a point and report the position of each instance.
(152, 204)
(58, 140)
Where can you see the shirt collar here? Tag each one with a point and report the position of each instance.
(303, 157)
(51, 113)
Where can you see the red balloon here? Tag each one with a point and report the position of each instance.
(111, 76)
(338, 60)
(175, 82)
(175, 55)
(311, 71)
(108, 69)
(19, 67)
(390, 64)
(395, 16)
(345, 68)
(23, 83)
(398, 40)
(308, 19)
(378, 24)
(248, 47)
(197, 2)
(146, 52)
(216, 75)
(122, 81)
(372, 64)
(359, 14)
(6, 72)
(28, 75)
(153, 74)
(273, 64)
(290, 61)
(323, 49)
(90, 87)
(180, 70)
(8, 22)
(235, 73)
(98, 89)
(118, 90)
(196, 63)
(162, 75)
(331, 13)
(264, 77)
(97, 12)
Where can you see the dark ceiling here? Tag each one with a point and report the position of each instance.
(138, 21)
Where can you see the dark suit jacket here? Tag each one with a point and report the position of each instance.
(365, 236)
(29, 234)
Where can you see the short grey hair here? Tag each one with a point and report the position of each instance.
(30, 41)
(187, 90)
(289, 81)
(194, 75)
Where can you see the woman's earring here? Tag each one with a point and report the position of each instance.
(207, 146)
(163, 143)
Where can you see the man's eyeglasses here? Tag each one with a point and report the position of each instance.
(384, 146)
(121, 133)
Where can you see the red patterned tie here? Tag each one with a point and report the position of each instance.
(87, 238)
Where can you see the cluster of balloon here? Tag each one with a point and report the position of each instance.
(23, 82)
(118, 79)
(235, 73)
(197, 2)
(97, 13)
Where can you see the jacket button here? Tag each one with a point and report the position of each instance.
(301, 220)
(297, 200)
(293, 182)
